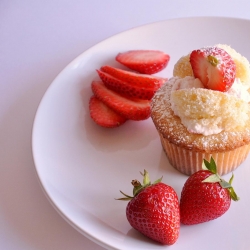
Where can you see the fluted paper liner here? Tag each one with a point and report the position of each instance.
(189, 161)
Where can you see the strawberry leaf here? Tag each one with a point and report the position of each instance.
(157, 181)
(211, 166)
(233, 195)
(126, 198)
(146, 180)
(212, 178)
(206, 163)
(231, 179)
(225, 184)
(203, 166)
(231, 190)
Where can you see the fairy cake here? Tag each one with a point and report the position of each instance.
(204, 111)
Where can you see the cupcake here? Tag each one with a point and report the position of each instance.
(203, 111)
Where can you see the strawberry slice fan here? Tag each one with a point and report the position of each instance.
(123, 95)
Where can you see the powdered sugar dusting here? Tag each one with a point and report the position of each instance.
(170, 126)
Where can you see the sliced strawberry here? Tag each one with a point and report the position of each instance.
(214, 67)
(127, 89)
(144, 61)
(135, 79)
(133, 109)
(103, 115)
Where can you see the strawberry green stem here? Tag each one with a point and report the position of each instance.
(138, 187)
(215, 177)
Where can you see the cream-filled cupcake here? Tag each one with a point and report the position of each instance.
(195, 122)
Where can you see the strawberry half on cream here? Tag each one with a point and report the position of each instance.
(214, 67)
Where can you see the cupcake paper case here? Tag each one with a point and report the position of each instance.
(221, 121)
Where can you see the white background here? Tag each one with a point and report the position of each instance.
(37, 40)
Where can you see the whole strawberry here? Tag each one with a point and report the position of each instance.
(205, 195)
(154, 210)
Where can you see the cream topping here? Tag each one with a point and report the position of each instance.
(239, 90)
(205, 111)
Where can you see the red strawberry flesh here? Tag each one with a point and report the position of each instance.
(214, 67)
(144, 61)
(133, 109)
(135, 79)
(103, 115)
(127, 89)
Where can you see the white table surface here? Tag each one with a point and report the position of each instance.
(37, 40)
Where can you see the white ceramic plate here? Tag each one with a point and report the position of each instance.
(82, 166)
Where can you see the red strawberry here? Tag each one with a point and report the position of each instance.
(103, 115)
(154, 210)
(144, 61)
(133, 109)
(205, 196)
(130, 84)
(137, 79)
(214, 67)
